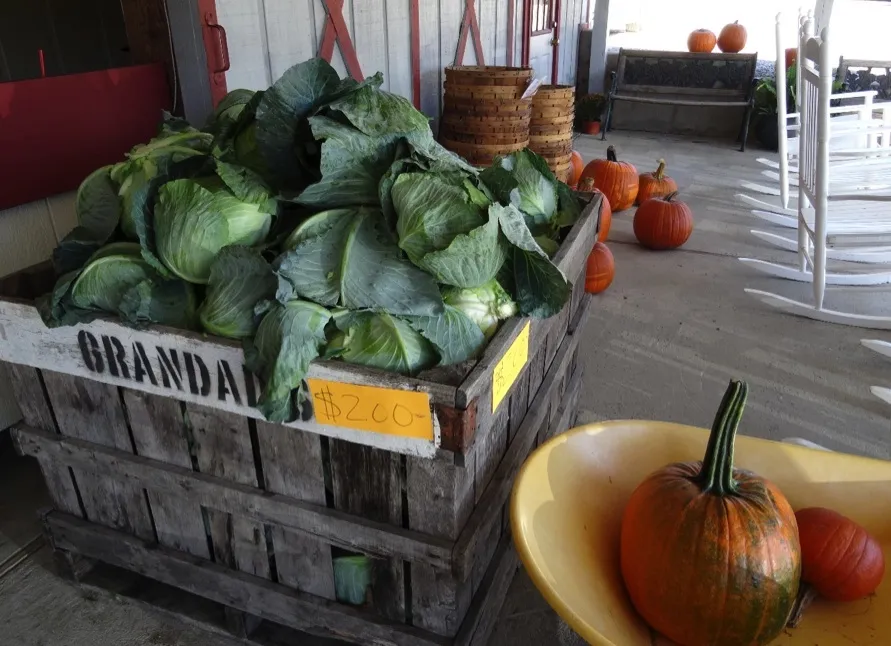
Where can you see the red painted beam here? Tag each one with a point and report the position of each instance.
(555, 56)
(415, 16)
(336, 30)
(469, 26)
(511, 21)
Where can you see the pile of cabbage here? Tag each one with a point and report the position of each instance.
(318, 218)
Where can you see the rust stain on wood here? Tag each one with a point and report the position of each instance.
(457, 426)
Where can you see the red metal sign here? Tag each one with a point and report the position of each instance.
(336, 32)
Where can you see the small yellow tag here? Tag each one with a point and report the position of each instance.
(508, 369)
(366, 408)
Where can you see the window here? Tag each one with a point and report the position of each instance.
(542, 22)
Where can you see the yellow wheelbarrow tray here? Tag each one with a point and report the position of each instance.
(566, 513)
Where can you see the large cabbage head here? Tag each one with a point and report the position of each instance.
(196, 218)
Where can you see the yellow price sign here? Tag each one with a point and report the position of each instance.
(404, 413)
(508, 369)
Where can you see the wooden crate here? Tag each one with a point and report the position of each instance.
(183, 482)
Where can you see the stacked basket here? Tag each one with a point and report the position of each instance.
(484, 116)
(550, 130)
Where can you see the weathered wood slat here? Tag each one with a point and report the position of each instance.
(91, 411)
(223, 449)
(487, 511)
(292, 465)
(483, 613)
(190, 367)
(368, 482)
(439, 498)
(335, 527)
(36, 412)
(246, 592)
(571, 258)
(159, 433)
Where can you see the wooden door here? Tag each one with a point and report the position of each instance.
(541, 20)
(216, 47)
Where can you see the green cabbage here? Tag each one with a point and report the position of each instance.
(379, 340)
(239, 279)
(195, 218)
(485, 305)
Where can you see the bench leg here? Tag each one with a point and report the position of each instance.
(608, 120)
(747, 119)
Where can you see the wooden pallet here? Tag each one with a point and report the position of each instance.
(212, 596)
(195, 476)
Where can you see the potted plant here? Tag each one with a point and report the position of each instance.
(588, 111)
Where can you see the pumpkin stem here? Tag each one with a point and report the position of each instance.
(806, 595)
(716, 475)
(611, 154)
(660, 172)
(670, 196)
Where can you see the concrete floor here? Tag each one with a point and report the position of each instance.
(664, 340)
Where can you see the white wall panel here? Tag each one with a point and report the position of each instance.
(28, 235)
(244, 21)
(291, 34)
(399, 45)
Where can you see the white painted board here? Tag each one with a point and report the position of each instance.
(184, 366)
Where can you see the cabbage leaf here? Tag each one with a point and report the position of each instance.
(239, 279)
(540, 288)
(347, 258)
(288, 338)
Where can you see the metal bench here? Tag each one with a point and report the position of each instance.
(684, 79)
(860, 75)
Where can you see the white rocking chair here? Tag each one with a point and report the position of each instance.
(851, 223)
(853, 140)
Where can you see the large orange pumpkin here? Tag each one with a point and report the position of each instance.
(701, 41)
(616, 180)
(606, 211)
(655, 184)
(601, 269)
(576, 168)
(663, 223)
(732, 38)
(710, 554)
(838, 557)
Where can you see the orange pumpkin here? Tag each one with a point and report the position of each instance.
(732, 38)
(601, 269)
(616, 180)
(576, 168)
(709, 554)
(606, 212)
(663, 223)
(701, 41)
(655, 184)
(838, 557)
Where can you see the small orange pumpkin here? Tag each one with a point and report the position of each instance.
(838, 557)
(606, 211)
(732, 38)
(701, 41)
(655, 184)
(576, 168)
(663, 223)
(709, 553)
(616, 180)
(601, 269)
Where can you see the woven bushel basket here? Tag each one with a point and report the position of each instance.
(550, 129)
(483, 114)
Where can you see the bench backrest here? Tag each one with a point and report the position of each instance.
(863, 75)
(725, 75)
